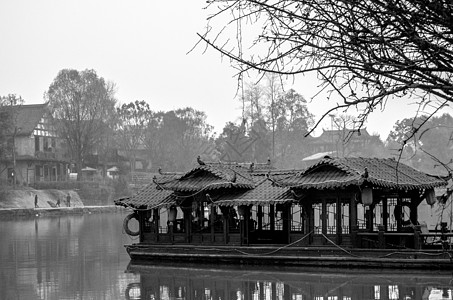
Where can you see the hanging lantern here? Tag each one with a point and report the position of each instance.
(172, 214)
(367, 196)
(430, 197)
(241, 211)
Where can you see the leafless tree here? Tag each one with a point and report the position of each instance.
(363, 51)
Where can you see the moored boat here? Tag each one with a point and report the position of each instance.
(341, 212)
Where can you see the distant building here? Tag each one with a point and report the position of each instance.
(344, 142)
(40, 155)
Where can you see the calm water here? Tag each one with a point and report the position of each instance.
(82, 257)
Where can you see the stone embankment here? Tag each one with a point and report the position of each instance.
(21, 203)
(7, 213)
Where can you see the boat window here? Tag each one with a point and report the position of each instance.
(361, 216)
(297, 218)
(378, 216)
(266, 218)
(331, 218)
(317, 211)
(391, 221)
(345, 216)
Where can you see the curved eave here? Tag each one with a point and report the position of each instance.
(406, 186)
(334, 184)
(325, 185)
(214, 186)
(257, 202)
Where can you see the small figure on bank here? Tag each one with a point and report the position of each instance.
(68, 200)
(58, 202)
(36, 200)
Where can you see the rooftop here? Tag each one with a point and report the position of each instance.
(331, 173)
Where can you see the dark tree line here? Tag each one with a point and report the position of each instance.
(8, 113)
(275, 124)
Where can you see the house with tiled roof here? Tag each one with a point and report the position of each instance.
(343, 142)
(39, 153)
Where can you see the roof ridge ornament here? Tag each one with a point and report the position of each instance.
(200, 162)
(365, 173)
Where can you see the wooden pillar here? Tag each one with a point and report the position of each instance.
(286, 215)
(352, 212)
(385, 214)
(338, 220)
(226, 226)
(244, 226)
(156, 223)
(418, 242)
(212, 223)
(226, 223)
(381, 236)
(141, 224)
(399, 204)
(272, 217)
(170, 231)
(369, 218)
(311, 221)
(415, 201)
(324, 216)
(260, 217)
(187, 211)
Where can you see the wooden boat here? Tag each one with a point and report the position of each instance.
(340, 212)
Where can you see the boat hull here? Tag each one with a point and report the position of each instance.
(295, 256)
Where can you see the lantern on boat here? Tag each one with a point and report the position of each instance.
(367, 196)
(241, 211)
(172, 214)
(430, 197)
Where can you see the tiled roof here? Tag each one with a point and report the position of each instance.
(149, 197)
(211, 176)
(332, 173)
(163, 189)
(28, 117)
(265, 192)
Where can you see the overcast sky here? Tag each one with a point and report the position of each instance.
(142, 47)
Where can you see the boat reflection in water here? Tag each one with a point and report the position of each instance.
(215, 282)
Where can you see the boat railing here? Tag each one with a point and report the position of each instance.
(413, 240)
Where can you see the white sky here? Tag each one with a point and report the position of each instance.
(141, 46)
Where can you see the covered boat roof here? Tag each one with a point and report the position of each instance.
(264, 193)
(330, 173)
(210, 176)
(151, 196)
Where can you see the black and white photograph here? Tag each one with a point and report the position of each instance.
(226, 150)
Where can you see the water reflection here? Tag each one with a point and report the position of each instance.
(188, 282)
(64, 257)
(82, 257)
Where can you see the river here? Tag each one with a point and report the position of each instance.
(82, 257)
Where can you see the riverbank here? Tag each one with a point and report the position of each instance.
(10, 213)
